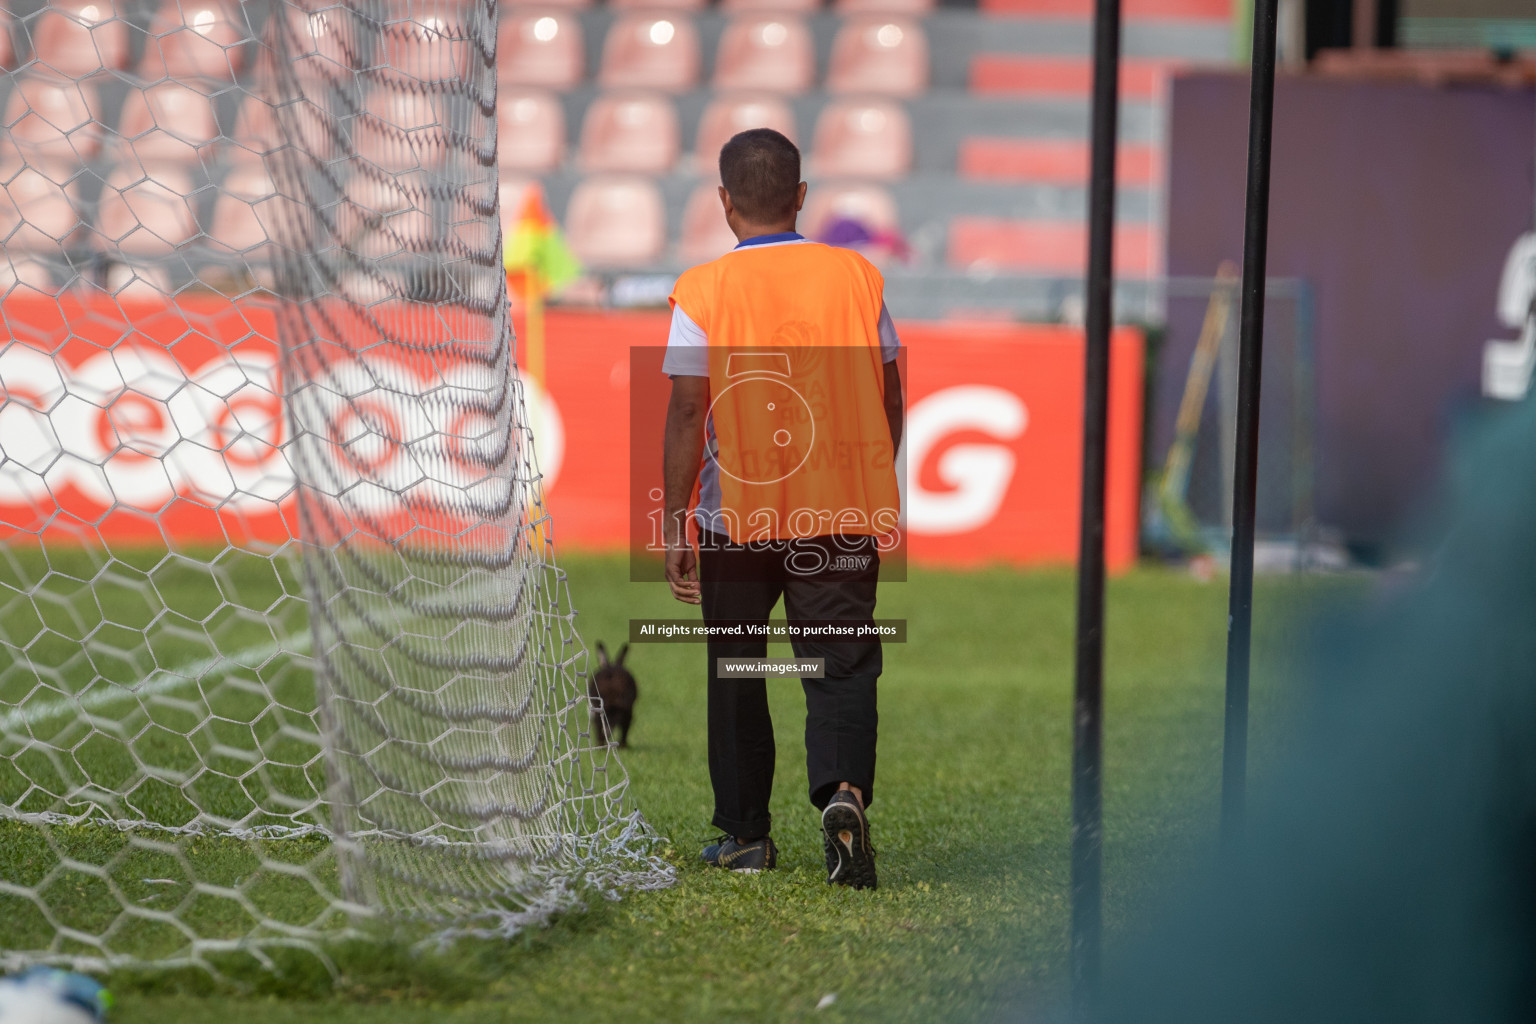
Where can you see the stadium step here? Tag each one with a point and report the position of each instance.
(1206, 10)
(1050, 161)
(1047, 247)
(995, 74)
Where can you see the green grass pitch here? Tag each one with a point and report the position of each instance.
(970, 822)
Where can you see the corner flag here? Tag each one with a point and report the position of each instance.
(536, 248)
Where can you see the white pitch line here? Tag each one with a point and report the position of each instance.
(162, 680)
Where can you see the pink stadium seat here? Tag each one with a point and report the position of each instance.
(6, 53)
(705, 233)
(168, 124)
(768, 52)
(771, 6)
(36, 214)
(147, 216)
(194, 39)
(540, 47)
(917, 8)
(427, 47)
(658, 5)
(879, 55)
(397, 132)
(637, 133)
(869, 204)
(81, 37)
(862, 139)
(651, 51)
(727, 115)
(20, 272)
(255, 130)
(315, 43)
(616, 222)
(530, 131)
(49, 119)
(244, 214)
(381, 219)
(260, 127)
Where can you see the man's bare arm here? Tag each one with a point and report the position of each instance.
(894, 407)
(682, 450)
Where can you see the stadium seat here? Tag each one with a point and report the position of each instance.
(871, 205)
(49, 119)
(650, 51)
(194, 39)
(887, 56)
(168, 123)
(531, 131)
(243, 213)
(728, 115)
(255, 131)
(636, 133)
(81, 37)
(540, 47)
(18, 271)
(397, 133)
(380, 219)
(658, 5)
(916, 8)
(768, 52)
(6, 51)
(771, 6)
(705, 234)
(616, 222)
(317, 46)
(36, 215)
(427, 47)
(145, 216)
(862, 139)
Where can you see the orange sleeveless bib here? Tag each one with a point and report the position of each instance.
(797, 391)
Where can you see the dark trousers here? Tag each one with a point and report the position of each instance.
(741, 584)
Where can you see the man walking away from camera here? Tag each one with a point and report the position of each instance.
(791, 501)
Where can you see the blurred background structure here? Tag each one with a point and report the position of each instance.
(948, 142)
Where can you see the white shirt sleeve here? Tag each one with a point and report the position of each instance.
(687, 348)
(890, 344)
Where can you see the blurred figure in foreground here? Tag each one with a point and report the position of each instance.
(1389, 868)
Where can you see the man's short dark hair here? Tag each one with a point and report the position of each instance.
(761, 170)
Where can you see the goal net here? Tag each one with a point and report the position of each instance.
(285, 648)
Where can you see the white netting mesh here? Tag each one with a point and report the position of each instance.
(284, 643)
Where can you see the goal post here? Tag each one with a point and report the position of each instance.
(286, 644)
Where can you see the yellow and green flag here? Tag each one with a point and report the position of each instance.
(536, 248)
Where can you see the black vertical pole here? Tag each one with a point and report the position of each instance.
(1088, 691)
(1234, 767)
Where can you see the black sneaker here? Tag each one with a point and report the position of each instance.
(845, 830)
(749, 858)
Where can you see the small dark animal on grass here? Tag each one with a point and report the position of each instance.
(615, 688)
